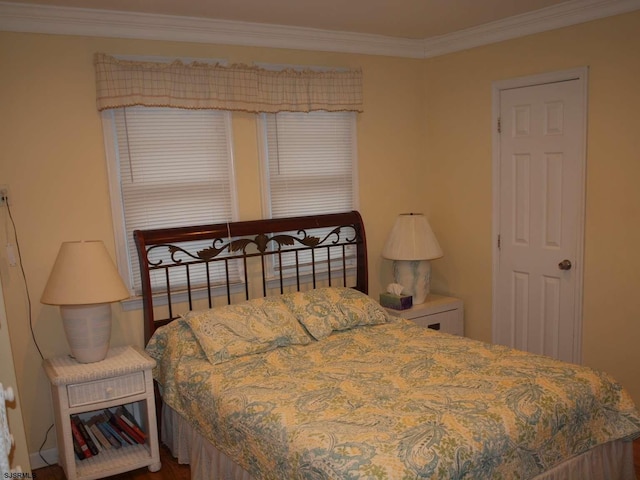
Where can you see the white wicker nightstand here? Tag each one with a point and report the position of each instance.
(123, 378)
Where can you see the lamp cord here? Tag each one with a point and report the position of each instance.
(33, 335)
(24, 278)
(46, 435)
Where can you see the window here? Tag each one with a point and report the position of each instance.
(309, 167)
(309, 163)
(168, 167)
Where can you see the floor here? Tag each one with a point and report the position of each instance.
(172, 471)
(636, 457)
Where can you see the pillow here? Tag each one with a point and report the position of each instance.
(246, 328)
(360, 309)
(313, 309)
(328, 309)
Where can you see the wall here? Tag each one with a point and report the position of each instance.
(459, 178)
(53, 162)
(424, 144)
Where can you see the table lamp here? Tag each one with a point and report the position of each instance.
(411, 245)
(83, 282)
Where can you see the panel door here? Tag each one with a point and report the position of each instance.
(540, 206)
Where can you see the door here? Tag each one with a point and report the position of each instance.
(540, 224)
(19, 455)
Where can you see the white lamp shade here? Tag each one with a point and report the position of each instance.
(412, 239)
(83, 274)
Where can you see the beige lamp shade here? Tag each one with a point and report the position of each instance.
(411, 245)
(83, 274)
(412, 239)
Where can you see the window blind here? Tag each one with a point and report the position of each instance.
(175, 169)
(310, 168)
(310, 163)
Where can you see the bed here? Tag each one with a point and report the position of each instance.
(274, 363)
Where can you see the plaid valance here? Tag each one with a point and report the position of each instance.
(123, 83)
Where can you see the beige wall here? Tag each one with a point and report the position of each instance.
(459, 178)
(53, 161)
(424, 144)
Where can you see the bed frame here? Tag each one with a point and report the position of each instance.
(331, 243)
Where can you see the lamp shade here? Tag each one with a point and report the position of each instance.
(412, 239)
(83, 274)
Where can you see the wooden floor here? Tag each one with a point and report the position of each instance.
(172, 471)
(636, 457)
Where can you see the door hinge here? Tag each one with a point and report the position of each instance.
(499, 125)
(499, 242)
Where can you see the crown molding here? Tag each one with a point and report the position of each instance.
(562, 15)
(32, 18)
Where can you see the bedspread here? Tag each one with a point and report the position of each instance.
(391, 401)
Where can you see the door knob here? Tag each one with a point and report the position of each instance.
(564, 265)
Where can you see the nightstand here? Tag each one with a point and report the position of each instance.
(437, 312)
(86, 389)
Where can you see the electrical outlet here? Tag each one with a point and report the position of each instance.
(4, 195)
(11, 255)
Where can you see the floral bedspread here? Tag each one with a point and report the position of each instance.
(391, 401)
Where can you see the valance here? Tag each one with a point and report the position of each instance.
(123, 83)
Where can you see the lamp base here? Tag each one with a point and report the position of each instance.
(88, 330)
(415, 277)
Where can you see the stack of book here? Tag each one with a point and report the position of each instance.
(105, 430)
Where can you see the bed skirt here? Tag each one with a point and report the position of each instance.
(611, 461)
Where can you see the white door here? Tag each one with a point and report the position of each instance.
(19, 456)
(540, 205)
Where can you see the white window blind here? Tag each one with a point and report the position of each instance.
(310, 163)
(309, 168)
(173, 168)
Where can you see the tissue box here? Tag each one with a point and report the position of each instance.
(397, 302)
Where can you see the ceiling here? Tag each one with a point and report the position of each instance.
(412, 19)
(402, 28)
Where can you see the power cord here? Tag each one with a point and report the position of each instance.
(24, 277)
(5, 199)
(46, 435)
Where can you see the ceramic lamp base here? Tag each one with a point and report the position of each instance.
(88, 330)
(415, 277)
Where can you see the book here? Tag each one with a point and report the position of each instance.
(127, 437)
(77, 436)
(85, 435)
(101, 423)
(128, 430)
(93, 438)
(113, 421)
(76, 449)
(102, 440)
(115, 433)
(131, 421)
(126, 427)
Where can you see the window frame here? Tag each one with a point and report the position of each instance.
(264, 163)
(123, 256)
(272, 269)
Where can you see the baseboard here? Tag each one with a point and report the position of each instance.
(44, 458)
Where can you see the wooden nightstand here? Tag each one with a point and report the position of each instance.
(438, 312)
(86, 389)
